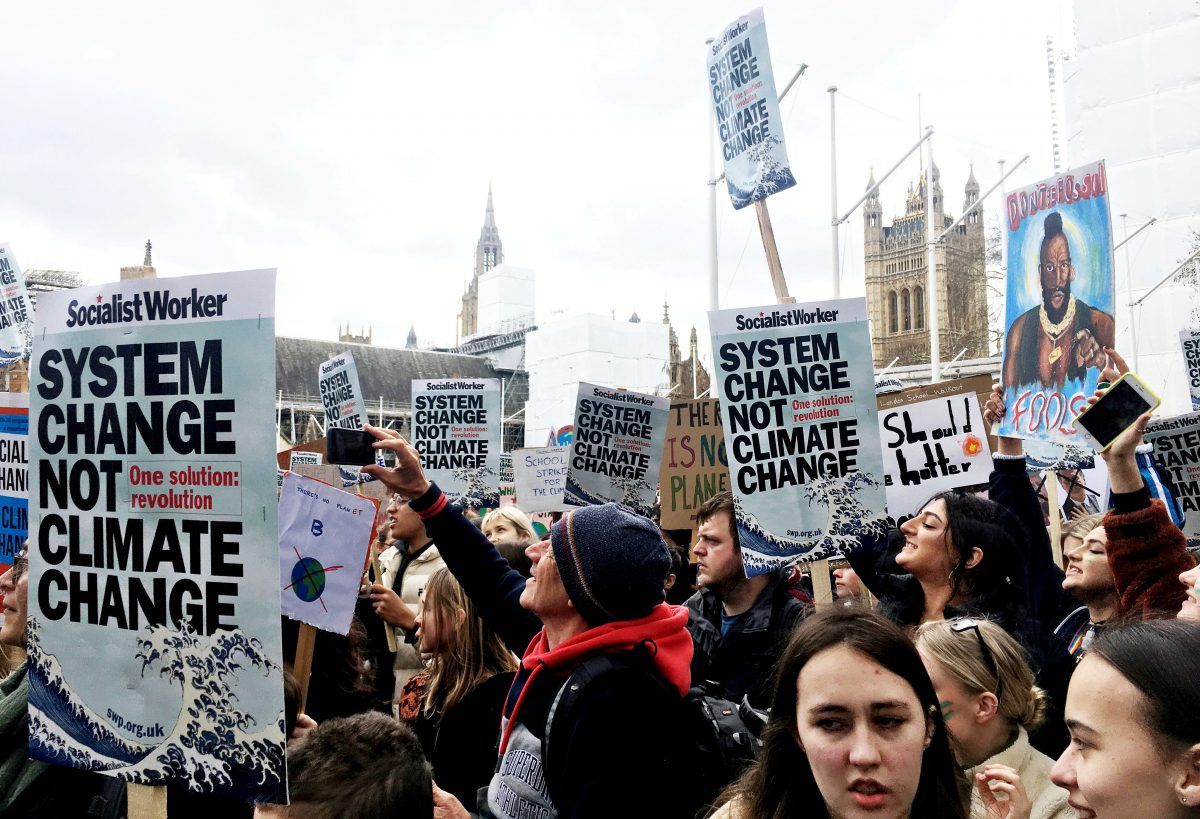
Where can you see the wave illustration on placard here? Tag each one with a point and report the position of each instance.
(211, 745)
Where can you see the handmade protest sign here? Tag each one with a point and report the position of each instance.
(540, 475)
(341, 395)
(154, 643)
(694, 464)
(324, 534)
(1176, 452)
(1059, 313)
(797, 396)
(456, 430)
(14, 474)
(508, 487)
(16, 313)
(747, 108)
(1190, 341)
(934, 439)
(617, 448)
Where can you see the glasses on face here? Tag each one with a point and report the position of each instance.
(967, 624)
(1050, 268)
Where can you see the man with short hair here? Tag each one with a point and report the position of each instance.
(592, 610)
(364, 766)
(739, 625)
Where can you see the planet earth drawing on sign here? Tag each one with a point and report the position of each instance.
(308, 579)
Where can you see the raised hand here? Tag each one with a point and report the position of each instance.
(406, 477)
(994, 779)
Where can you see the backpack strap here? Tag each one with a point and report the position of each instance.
(601, 670)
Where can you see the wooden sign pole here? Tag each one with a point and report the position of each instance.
(773, 263)
(1056, 520)
(822, 590)
(146, 801)
(306, 640)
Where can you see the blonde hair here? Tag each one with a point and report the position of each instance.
(1021, 702)
(1081, 527)
(513, 515)
(470, 652)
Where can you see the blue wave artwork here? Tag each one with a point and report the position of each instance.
(212, 746)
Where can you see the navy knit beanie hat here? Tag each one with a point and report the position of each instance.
(613, 563)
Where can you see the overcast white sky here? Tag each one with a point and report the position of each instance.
(351, 146)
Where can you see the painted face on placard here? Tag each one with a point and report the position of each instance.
(1056, 273)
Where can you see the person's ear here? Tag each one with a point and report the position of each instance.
(670, 582)
(1187, 781)
(987, 708)
(930, 728)
(973, 558)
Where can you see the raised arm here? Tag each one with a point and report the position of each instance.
(493, 585)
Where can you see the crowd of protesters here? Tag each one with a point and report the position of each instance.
(960, 671)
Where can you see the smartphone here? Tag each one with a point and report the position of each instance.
(349, 447)
(1116, 411)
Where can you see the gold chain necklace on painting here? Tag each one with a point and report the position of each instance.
(1055, 331)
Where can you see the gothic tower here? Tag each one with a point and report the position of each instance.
(489, 252)
(896, 277)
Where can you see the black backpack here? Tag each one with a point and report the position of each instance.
(716, 744)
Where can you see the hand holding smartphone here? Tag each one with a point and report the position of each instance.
(1115, 411)
(351, 447)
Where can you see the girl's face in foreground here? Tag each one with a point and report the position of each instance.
(1113, 768)
(864, 742)
(1191, 605)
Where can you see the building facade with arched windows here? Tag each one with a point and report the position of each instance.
(896, 279)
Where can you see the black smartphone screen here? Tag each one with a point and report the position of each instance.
(1114, 413)
(349, 447)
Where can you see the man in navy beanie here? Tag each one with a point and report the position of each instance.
(597, 589)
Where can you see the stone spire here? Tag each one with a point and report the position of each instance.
(146, 262)
(143, 271)
(411, 342)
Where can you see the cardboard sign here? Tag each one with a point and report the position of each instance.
(1176, 447)
(324, 534)
(797, 394)
(1060, 302)
(16, 312)
(1190, 341)
(617, 448)
(456, 429)
(540, 476)
(154, 644)
(934, 440)
(14, 475)
(747, 108)
(694, 466)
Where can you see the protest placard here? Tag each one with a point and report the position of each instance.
(324, 534)
(1190, 341)
(1059, 302)
(797, 396)
(341, 395)
(747, 111)
(934, 439)
(14, 474)
(16, 313)
(301, 458)
(540, 475)
(694, 464)
(1176, 452)
(456, 430)
(154, 641)
(508, 487)
(617, 449)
